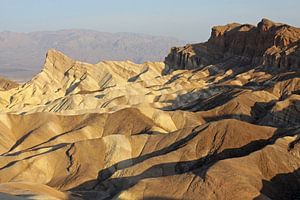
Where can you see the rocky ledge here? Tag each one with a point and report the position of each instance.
(268, 44)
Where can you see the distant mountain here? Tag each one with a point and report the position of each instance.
(22, 54)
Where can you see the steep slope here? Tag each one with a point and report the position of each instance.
(225, 128)
(268, 43)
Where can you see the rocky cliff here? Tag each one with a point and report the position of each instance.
(268, 43)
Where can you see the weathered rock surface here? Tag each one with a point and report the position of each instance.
(6, 84)
(120, 130)
(268, 43)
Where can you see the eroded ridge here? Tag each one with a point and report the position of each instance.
(218, 120)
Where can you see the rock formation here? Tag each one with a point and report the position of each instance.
(268, 43)
(221, 123)
(6, 84)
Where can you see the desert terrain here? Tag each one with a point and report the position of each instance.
(215, 120)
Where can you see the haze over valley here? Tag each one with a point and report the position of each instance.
(23, 54)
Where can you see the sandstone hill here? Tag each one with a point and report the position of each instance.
(217, 120)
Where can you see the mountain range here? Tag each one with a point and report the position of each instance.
(215, 120)
(23, 54)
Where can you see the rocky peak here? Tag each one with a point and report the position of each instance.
(54, 54)
(57, 61)
(218, 31)
(268, 43)
(266, 24)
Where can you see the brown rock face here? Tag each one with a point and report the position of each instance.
(6, 84)
(268, 43)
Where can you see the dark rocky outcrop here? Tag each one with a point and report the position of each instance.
(268, 43)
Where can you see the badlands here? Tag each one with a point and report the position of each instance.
(216, 120)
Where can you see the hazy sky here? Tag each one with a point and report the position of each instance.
(184, 19)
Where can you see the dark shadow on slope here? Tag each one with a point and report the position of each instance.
(294, 143)
(107, 173)
(239, 117)
(113, 186)
(215, 101)
(136, 77)
(72, 88)
(282, 187)
(147, 131)
(53, 148)
(38, 146)
(288, 117)
(74, 85)
(20, 141)
(258, 111)
(173, 78)
(279, 74)
(204, 99)
(261, 114)
(7, 196)
(105, 184)
(212, 97)
(236, 65)
(217, 94)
